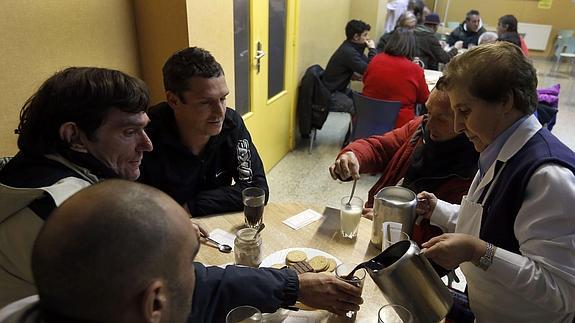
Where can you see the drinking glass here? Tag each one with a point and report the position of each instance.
(393, 313)
(244, 314)
(350, 214)
(254, 199)
(342, 271)
(392, 234)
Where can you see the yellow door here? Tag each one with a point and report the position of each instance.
(270, 113)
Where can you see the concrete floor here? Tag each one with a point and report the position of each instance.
(303, 177)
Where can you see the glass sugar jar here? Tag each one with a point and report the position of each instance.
(247, 250)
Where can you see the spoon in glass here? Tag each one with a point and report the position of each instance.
(352, 191)
(221, 247)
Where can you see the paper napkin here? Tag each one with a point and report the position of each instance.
(223, 237)
(302, 219)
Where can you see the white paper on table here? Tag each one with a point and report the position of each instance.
(223, 237)
(302, 219)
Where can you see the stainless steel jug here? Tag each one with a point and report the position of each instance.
(406, 277)
(393, 204)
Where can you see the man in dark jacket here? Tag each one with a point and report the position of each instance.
(429, 49)
(347, 63)
(468, 31)
(83, 124)
(204, 156)
(119, 251)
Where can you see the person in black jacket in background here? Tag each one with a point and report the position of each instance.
(468, 31)
(203, 153)
(348, 63)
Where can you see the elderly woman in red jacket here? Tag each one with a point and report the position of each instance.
(391, 75)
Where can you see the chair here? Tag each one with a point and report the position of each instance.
(562, 35)
(373, 116)
(567, 50)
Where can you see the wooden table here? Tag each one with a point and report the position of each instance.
(323, 235)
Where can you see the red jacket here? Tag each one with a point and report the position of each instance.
(396, 78)
(390, 154)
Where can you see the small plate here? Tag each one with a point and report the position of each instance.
(279, 257)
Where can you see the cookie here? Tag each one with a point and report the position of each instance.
(277, 266)
(301, 267)
(318, 263)
(331, 265)
(295, 256)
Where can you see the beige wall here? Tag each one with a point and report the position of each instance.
(41, 37)
(372, 12)
(161, 29)
(560, 16)
(202, 31)
(321, 30)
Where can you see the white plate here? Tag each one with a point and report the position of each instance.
(279, 257)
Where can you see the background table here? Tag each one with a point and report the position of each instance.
(323, 235)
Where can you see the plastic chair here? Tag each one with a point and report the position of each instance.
(373, 116)
(562, 36)
(567, 50)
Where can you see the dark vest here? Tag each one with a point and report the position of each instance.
(501, 206)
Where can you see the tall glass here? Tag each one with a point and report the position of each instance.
(393, 313)
(358, 278)
(350, 214)
(254, 199)
(244, 314)
(389, 238)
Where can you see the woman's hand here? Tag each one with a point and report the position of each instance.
(426, 203)
(451, 249)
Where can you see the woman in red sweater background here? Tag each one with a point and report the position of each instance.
(391, 75)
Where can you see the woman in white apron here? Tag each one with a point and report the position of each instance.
(513, 235)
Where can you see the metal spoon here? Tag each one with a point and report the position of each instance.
(352, 191)
(260, 228)
(221, 247)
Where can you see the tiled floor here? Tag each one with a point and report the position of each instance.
(303, 177)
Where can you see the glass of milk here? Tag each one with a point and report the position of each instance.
(350, 215)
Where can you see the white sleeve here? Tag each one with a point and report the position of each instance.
(445, 216)
(544, 273)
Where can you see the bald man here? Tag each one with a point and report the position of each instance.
(425, 154)
(119, 251)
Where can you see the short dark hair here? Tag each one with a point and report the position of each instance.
(401, 43)
(510, 22)
(491, 72)
(185, 64)
(418, 8)
(111, 250)
(470, 13)
(83, 95)
(355, 27)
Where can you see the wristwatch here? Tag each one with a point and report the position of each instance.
(486, 260)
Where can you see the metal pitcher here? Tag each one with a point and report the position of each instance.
(406, 277)
(393, 204)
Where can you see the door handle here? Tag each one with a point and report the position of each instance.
(259, 55)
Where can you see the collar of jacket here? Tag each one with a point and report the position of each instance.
(163, 128)
(359, 47)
